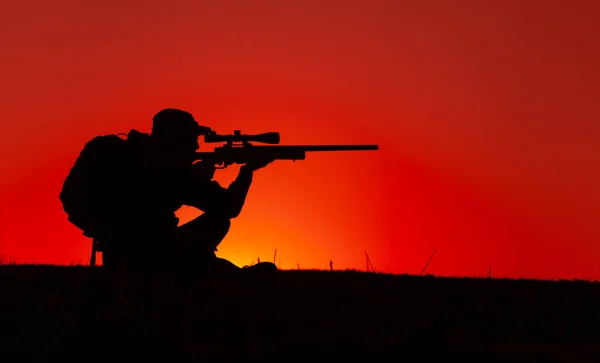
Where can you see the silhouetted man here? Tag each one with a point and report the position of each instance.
(134, 217)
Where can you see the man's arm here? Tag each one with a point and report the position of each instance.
(210, 197)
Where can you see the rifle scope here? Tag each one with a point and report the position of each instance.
(237, 136)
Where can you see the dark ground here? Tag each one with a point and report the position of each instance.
(62, 312)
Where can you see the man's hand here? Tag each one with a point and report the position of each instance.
(205, 169)
(257, 163)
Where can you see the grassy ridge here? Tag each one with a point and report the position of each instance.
(62, 311)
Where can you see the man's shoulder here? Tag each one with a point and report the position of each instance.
(102, 145)
(136, 135)
(123, 146)
(106, 139)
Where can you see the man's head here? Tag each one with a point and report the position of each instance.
(177, 132)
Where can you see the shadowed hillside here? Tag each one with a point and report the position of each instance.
(63, 311)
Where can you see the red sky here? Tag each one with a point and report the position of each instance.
(486, 113)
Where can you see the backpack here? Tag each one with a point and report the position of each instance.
(94, 184)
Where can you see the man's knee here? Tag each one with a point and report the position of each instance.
(208, 229)
(219, 227)
(221, 222)
(218, 224)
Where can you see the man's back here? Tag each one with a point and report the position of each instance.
(145, 219)
(116, 194)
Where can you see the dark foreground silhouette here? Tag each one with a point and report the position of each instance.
(63, 312)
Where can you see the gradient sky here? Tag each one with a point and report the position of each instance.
(486, 113)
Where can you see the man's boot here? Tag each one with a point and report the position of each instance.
(262, 268)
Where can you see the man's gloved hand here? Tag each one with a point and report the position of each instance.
(205, 169)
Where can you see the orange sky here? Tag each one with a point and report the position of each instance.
(486, 113)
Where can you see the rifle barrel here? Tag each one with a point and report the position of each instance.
(321, 147)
